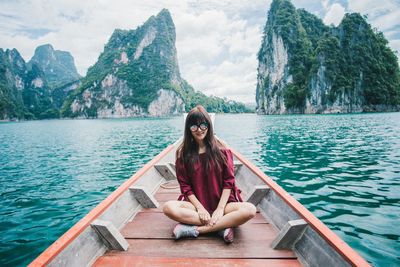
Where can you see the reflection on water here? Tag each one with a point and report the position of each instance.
(343, 168)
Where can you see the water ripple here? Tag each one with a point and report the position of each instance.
(343, 168)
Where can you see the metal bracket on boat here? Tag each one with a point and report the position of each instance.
(289, 234)
(144, 197)
(258, 193)
(167, 170)
(110, 235)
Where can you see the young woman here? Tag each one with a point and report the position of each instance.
(204, 169)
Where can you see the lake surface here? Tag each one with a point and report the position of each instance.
(343, 168)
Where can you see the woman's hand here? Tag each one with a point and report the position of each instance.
(204, 216)
(217, 214)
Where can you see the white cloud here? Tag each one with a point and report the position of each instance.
(213, 51)
(383, 15)
(334, 14)
(395, 45)
(213, 38)
(325, 5)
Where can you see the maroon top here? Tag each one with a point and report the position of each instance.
(207, 187)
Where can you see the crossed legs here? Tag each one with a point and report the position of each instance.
(235, 214)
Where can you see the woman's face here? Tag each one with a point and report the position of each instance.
(199, 131)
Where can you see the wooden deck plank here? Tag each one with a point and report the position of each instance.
(164, 197)
(152, 210)
(139, 261)
(147, 214)
(175, 190)
(203, 248)
(164, 227)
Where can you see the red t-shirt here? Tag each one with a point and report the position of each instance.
(207, 187)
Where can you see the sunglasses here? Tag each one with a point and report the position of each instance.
(203, 126)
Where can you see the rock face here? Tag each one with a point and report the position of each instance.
(25, 92)
(137, 74)
(308, 67)
(166, 102)
(58, 66)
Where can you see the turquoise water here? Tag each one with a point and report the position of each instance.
(343, 168)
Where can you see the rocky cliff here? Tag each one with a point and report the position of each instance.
(308, 67)
(25, 92)
(136, 74)
(58, 66)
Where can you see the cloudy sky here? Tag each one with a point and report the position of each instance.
(217, 41)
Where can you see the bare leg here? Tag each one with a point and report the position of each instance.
(236, 213)
(182, 211)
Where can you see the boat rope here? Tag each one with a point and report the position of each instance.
(167, 185)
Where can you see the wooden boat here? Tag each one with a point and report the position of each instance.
(128, 228)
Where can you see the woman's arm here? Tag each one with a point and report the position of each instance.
(228, 183)
(219, 212)
(203, 213)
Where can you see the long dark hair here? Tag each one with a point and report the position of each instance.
(188, 151)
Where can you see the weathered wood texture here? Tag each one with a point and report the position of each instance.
(110, 235)
(311, 248)
(156, 225)
(257, 194)
(77, 254)
(150, 240)
(314, 250)
(167, 170)
(145, 198)
(289, 234)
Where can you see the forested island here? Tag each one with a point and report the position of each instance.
(306, 66)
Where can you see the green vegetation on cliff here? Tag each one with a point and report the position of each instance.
(138, 63)
(286, 23)
(57, 66)
(356, 59)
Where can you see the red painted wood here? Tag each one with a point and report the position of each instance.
(164, 197)
(135, 261)
(146, 215)
(162, 229)
(159, 210)
(203, 248)
(175, 190)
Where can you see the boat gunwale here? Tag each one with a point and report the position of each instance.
(62, 242)
(340, 246)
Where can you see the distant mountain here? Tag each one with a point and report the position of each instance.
(308, 67)
(25, 92)
(58, 66)
(138, 74)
